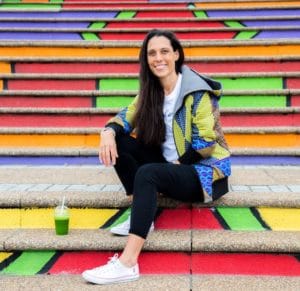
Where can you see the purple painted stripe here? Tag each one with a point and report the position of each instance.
(39, 36)
(258, 12)
(46, 24)
(93, 160)
(279, 34)
(280, 23)
(63, 14)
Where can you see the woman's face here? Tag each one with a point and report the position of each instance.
(161, 57)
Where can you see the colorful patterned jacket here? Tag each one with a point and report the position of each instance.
(196, 128)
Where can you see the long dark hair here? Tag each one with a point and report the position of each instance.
(149, 120)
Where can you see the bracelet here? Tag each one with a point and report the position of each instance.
(109, 129)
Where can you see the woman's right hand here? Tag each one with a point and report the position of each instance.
(108, 148)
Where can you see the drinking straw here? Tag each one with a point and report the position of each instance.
(63, 204)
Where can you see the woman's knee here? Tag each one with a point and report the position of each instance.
(147, 173)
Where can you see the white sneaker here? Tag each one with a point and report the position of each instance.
(123, 228)
(113, 272)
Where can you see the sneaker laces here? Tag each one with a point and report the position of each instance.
(109, 265)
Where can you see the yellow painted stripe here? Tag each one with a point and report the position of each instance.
(4, 256)
(1, 84)
(10, 218)
(92, 140)
(5, 68)
(281, 218)
(250, 5)
(87, 218)
(35, 1)
(237, 50)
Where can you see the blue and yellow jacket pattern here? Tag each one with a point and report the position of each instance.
(196, 126)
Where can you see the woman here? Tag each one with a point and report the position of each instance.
(178, 149)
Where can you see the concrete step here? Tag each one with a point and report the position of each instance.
(93, 117)
(99, 187)
(202, 48)
(158, 240)
(155, 282)
(85, 138)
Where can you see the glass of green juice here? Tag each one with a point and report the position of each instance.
(61, 219)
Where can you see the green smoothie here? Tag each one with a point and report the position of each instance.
(62, 225)
(61, 219)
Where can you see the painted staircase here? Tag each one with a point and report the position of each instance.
(67, 66)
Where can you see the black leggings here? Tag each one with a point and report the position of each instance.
(144, 172)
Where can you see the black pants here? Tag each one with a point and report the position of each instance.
(144, 172)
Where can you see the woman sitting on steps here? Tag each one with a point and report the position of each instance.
(178, 149)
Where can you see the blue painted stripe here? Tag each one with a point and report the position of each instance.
(93, 160)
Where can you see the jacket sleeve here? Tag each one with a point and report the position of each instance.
(203, 123)
(123, 121)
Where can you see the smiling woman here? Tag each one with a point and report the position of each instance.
(178, 148)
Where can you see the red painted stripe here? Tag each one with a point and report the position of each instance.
(242, 66)
(93, 120)
(295, 100)
(174, 219)
(245, 264)
(203, 218)
(52, 120)
(209, 67)
(181, 35)
(51, 84)
(261, 119)
(36, 102)
(76, 68)
(169, 24)
(293, 83)
(163, 14)
(149, 263)
(120, 6)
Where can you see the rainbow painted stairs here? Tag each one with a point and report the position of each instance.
(67, 66)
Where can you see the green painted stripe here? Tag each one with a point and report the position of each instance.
(253, 101)
(113, 101)
(119, 84)
(11, 1)
(122, 218)
(57, 1)
(243, 83)
(251, 83)
(28, 263)
(89, 36)
(234, 24)
(97, 25)
(246, 34)
(239, 218)
(126, 14)
(200, 14)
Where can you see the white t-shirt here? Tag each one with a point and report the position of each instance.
(168, 147)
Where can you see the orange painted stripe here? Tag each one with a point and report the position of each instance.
(92, 140)
(236, 50)
(5, 68)
(1, 84)
(263, 140)
(249, 5)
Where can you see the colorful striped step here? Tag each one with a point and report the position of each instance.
(254, 137)
(92, 117)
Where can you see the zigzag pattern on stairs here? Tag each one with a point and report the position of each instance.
(66, 66)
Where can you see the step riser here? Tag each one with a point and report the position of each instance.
(92, 140)
(193, 51)
(119, 102)
(86, 120)
(124, 67)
